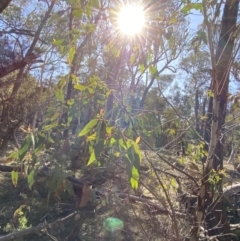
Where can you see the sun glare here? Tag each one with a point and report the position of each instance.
(131, 20)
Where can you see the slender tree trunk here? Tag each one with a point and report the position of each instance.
(211, 206)
(196, 109)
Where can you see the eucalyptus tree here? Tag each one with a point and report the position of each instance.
(211, 206)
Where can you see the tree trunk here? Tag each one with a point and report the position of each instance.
(211, 206)
(4, 4)
(196, 109)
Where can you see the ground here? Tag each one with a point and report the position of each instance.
(141, 220)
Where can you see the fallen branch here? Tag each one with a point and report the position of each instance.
(36, 229)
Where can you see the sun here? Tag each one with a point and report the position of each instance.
(131, 19)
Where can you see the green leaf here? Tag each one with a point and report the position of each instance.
(99, 148)
(70, 102)
(202, 36)
(142, 68)
(14, 176)
(59, 95)
(197, 6)
(210, 93)
(58, 42)
(88, 127)
(134, 183)
(77, 13)
(89, 8)
(92, 158)
(95, 3)
(173, 183)
(79, 87)
(92, 137)
(171, 42)
(71, 55)
(49, 127)
(31, 179)
(25, 147)
(89, 27)
(153, 70)
(135, 173)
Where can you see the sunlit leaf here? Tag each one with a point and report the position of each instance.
(134, 183)
(14, 176)
(79, 87)
(77, 13)
(153, 70)
(91, 159)
(58, 42)
(138, 139)
(92, 137)
(142, 68)
(71, 55)
(88, 127)
(70, 102)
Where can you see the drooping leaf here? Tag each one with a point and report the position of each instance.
(72, 52)
(134, 183)
(99, 148)
(142, 68)
(202, 36)
(30, 179)
(14, 176)
(88, 127)
(25, 147)
(92, 158)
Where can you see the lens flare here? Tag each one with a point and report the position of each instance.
(131, 20)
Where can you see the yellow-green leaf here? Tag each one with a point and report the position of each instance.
(138, 139)
(14, 176)
(92, 137)
(79, 87)
(77, 13)
(71, 55)
(91, 159)
(88, 127)
(134, 183)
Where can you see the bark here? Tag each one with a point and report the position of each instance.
(4, 4)
(211, 206)
(196, 109)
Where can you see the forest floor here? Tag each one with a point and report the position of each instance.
(141, 221)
